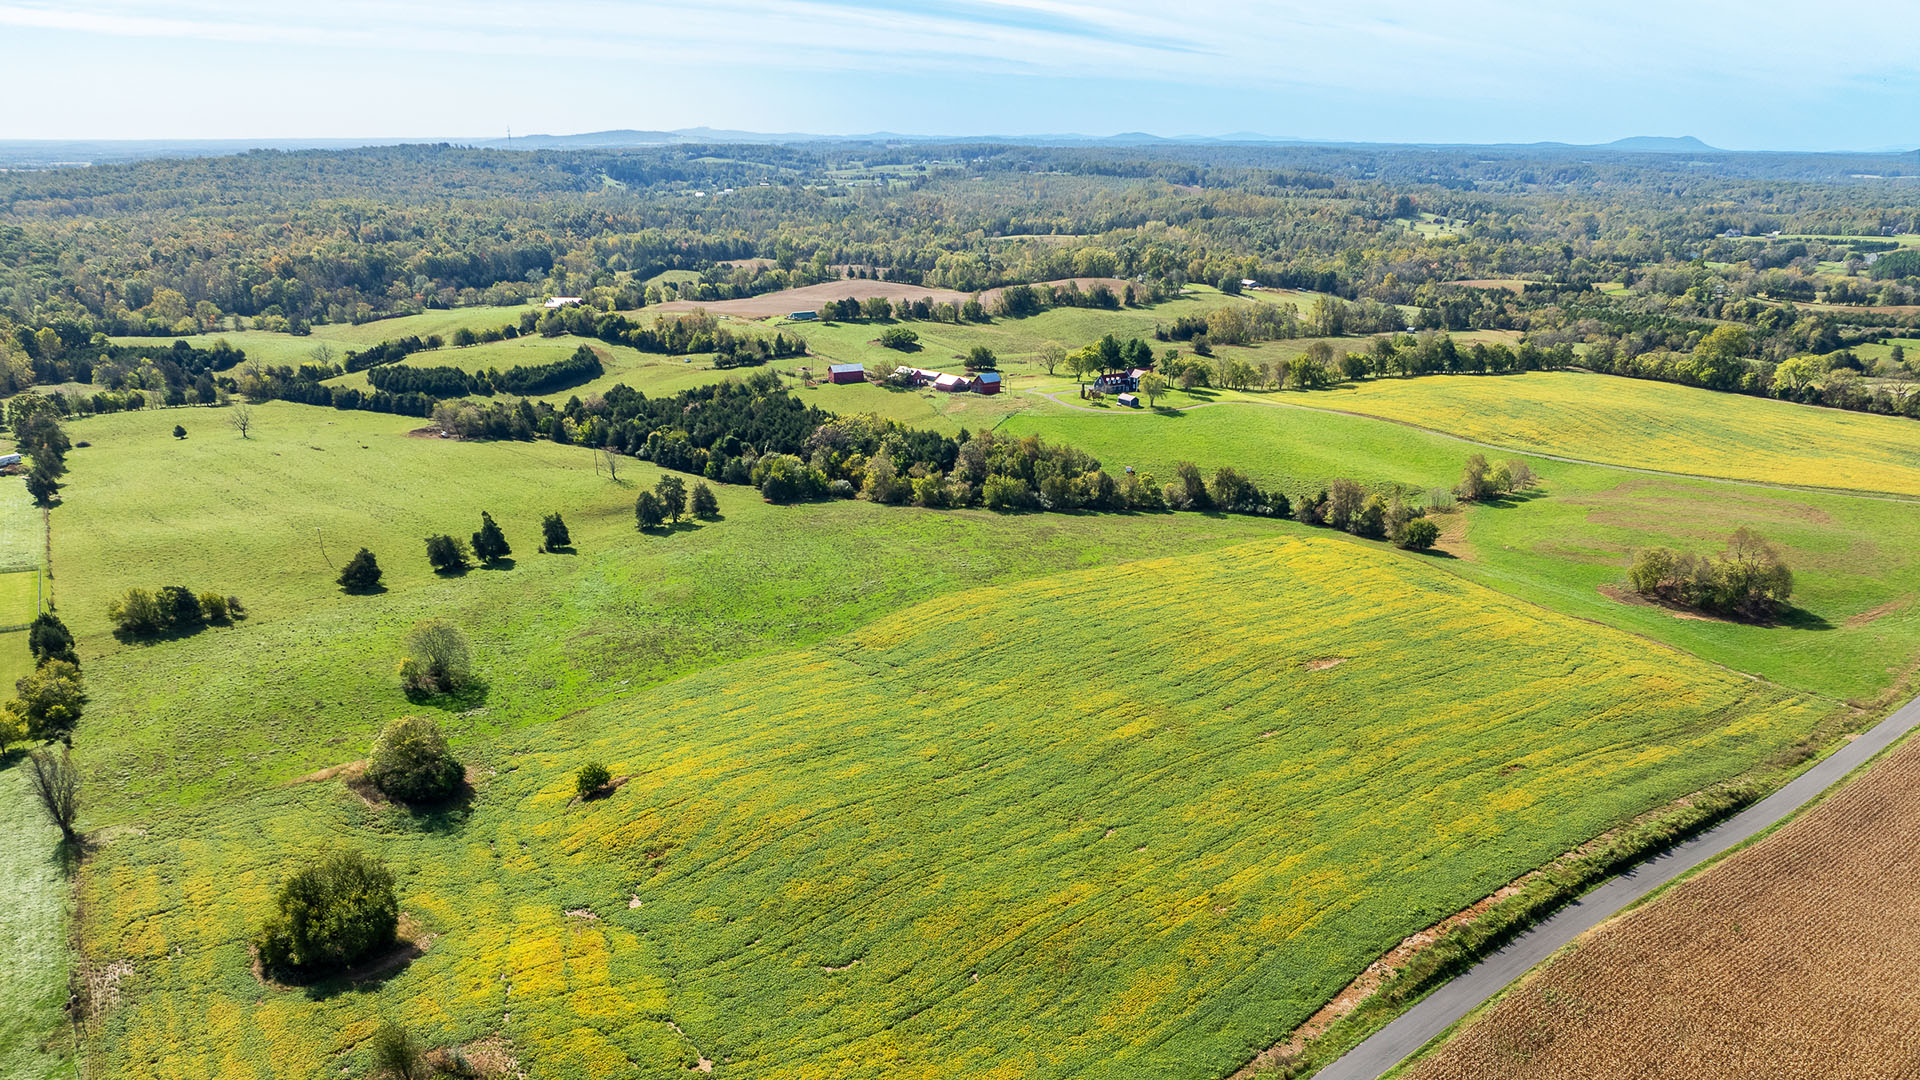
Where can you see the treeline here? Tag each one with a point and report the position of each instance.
(582, 366)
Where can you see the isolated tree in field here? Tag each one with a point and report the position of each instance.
(179, 432)
(179, 608)
(1418, 535)
(362, 572)
(1153, 384)
(705, 506)
(446, 554)
(647, 511)
(672, 492)
(591, 778)
(490, 544)
(899, 337)
(435, 658)
(1052, 355)
(1476, 480)
(396, 1054)
(410, 761)
(55, 785)
(240, 418)
(49, 639)
(328, 915)
(609, 456)
(553, 533)
(49, 700)
(981, 358)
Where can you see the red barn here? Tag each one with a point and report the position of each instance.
(846, 373)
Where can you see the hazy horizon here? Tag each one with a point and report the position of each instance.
(1384, 71)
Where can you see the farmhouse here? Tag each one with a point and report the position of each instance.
(1118, 382)
(846, 373)
(562, 301)
(987, 382)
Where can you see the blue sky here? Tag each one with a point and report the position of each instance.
(1747, 75)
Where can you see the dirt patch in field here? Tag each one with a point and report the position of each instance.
(1509, 284)
(1453, 534)
(1901, 603)
(346, 769)
(1325, 662)
(427, 433)
(848, 966)
(491, 1057)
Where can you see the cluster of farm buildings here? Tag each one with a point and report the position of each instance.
(986, 382)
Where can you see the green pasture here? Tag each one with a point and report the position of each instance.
(1129, 821)
(272, 348)
(304, 681)
(1883, 350)
(34, 1040)
(1856, 563)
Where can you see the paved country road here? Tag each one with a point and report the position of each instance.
(1441, 1009)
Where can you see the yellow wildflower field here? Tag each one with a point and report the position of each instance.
(1653, 425)
(1121, 822)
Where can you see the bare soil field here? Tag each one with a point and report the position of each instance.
(1794, 958)
(810, 297)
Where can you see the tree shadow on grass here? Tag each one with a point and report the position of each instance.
(1799, 618)
(505, 562)
(563, 549)
(363, 590)
(471, 696)
(1431, 553)
(1170, 411)
(1511, 500)
(367, 975)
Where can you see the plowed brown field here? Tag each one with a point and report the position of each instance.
(1796, 958)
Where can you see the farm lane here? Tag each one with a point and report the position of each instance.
(1440, 1010)
(1851, 493)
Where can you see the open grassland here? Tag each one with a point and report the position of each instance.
(1129, 821)
(272, 348)
(1653, 425)
(34, 1044)
(310, 674)
(1883, 350)
(649, 373)
(1794, 957)
(1856, 560)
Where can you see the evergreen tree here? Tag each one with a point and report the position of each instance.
(490, 544)
(361, 573)
(446, 554)
(704, 504)
(555, 532)
(49, 639)
(648, 512)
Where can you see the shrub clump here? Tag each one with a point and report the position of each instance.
(329, 915)
(446, 554)
(171, 609)
(410, 761)
(591, 778)
(435, 658)
(1748, 580)
(362, 572)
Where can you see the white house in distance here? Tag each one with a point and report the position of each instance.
(562, 301)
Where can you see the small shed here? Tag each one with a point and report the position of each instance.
(562, 301)
(846, 373)
(803, 316)
(1129, 401)
(987, 382)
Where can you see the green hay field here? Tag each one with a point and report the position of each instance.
(1120, 822)
(305, 679)
(1653, 425)
(34, 1044)
(1856, 560)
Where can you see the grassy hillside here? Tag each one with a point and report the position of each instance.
(1654, 425)
(1135, 820)
(34, 1040)
(1857, 567)
(304, 681)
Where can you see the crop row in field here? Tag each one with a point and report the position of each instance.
(1129, 821)
(1792, 958)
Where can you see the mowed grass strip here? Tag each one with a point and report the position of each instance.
(1130, 821)
(33, 939)
(1653, 425)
